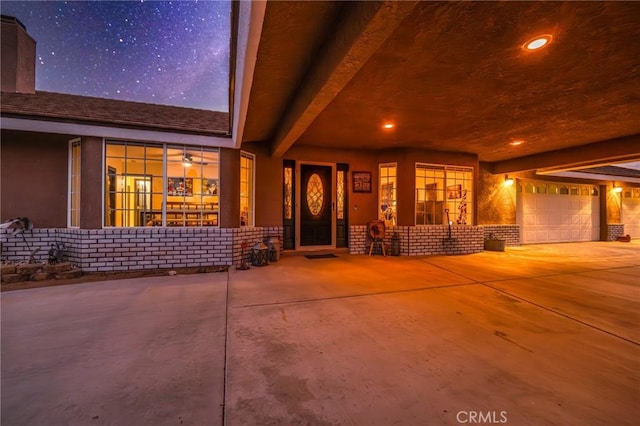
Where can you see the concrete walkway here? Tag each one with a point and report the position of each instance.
(546, 334)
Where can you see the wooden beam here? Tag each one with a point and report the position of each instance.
(365, 26)
(599, 153)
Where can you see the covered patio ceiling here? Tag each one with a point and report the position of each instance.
(452, 76)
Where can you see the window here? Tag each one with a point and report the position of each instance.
(288, 198)
(340, 196)
(387, 193)
(74, 183)
(288, 192)
(159, 185)
(554, 188)
(246, 189)
(541, 188)
(441, 190)
(531, 189)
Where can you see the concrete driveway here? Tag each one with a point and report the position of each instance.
(545, 334)
(147, 351)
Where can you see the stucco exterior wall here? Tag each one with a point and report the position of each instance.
(91, 179)
(614, 204)
(268, 185)
(229, 188)
(362, 207)
(496, 202)
(34, 178)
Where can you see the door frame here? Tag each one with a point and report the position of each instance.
(299, 197)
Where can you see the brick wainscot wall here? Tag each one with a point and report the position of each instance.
(434, 239)
(614, 230)
(130, 249)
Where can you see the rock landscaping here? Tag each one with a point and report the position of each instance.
(23, 272)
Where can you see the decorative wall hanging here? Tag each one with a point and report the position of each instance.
(361, 181)
(454, 192)
(180, 186)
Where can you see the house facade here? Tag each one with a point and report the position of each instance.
(129, 186)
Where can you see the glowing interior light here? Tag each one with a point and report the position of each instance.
(516, 143)
(537, 42)
(388, 126)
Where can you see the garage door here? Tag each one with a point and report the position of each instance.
(631, 212)
(556, 212)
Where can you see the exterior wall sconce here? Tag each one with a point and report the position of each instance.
(617, 189)
(507, 180)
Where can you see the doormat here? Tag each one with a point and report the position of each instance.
(319, 256)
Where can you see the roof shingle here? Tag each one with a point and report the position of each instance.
(114, 113)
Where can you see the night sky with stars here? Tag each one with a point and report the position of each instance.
(160, 52)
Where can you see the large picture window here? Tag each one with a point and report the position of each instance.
(160, 185)
(444, 189)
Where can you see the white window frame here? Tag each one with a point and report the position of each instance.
(446, 168)
(165, 147)
(252, 196)
(394, 200)
(70, 175)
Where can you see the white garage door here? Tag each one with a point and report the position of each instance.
(556, 212)
(631, 212)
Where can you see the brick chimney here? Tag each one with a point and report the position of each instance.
(18, 57)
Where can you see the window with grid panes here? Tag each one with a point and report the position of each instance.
(160, 185)
(442, 189)
(387, 190)
(74, 184)
(246, 189)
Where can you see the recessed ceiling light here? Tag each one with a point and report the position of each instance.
(388, 126)
(537, 42)
(516, 143)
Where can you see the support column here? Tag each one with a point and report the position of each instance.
(229, 188)
(91, 190)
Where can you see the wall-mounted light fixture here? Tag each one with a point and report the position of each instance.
(187, 159)
(617, 189)
(507, 180)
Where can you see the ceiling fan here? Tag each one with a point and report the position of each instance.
(188, 159)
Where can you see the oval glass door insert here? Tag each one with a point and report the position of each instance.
(315, 194)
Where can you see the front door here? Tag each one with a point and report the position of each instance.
(316, 202)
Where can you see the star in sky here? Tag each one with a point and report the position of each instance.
(161, 52)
